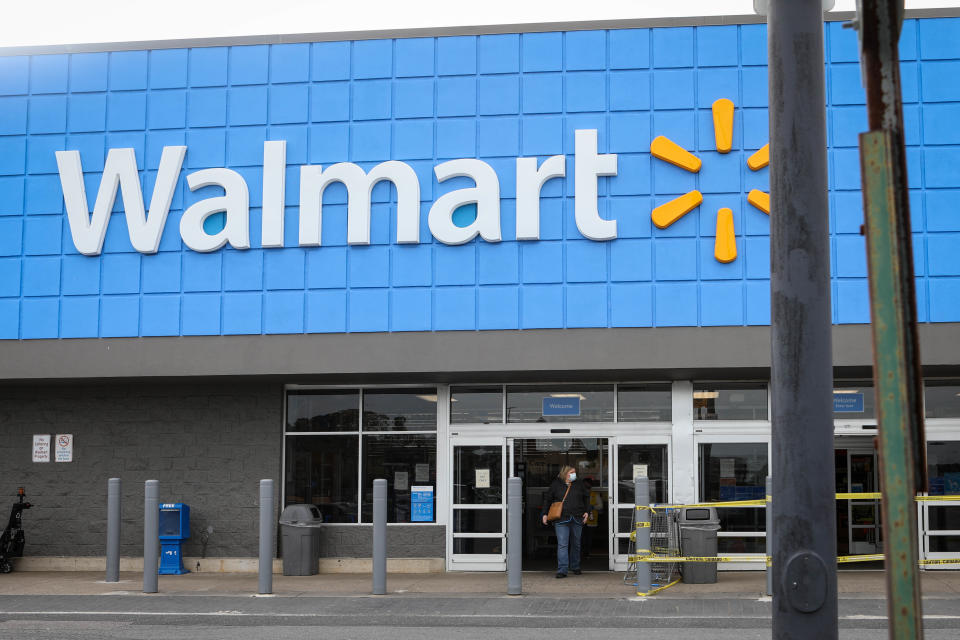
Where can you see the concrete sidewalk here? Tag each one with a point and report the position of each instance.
(744, 584)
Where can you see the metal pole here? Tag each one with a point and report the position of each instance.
(379, 537)
(768, 512)
(514, 536)
(265, 582)
(641, 498)
(151, 535)
(113, 530)
(801, 377)
(896, 349)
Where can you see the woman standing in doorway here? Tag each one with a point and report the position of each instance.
(575, 497)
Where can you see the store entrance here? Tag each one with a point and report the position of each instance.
(537, 461)
(859, 526)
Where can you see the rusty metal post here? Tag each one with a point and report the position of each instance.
(804, 541)
(896, 349)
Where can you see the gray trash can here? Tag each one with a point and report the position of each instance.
(698, 537)
(300, 539)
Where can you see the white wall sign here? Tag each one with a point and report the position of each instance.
(88, 228)
(41, 448)
(401, 481)
(639, 471)
(482, 479)
(64, 447)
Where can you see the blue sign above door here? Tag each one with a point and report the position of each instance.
(565, 406)
(848, 403)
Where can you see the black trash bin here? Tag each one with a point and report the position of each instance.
(300, 539)
(698, 538)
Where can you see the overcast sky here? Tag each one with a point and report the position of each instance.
(49, 22)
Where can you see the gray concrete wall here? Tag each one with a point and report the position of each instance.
(416, 541)
(207, 444)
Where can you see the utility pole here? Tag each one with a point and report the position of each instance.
(804, 540)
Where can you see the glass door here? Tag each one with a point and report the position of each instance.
(633, 458)
(476, 538)
(863, 515)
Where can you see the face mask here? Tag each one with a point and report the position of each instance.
(573, 476)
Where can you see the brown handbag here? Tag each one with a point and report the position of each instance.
(556, 508)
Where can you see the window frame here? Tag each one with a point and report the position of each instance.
(439, 516)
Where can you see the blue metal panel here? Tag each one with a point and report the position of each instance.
(673, 47)
(541, 307)
(498, 308)
(631, 305)
(168, 69)
(410, 309)
(587, 305)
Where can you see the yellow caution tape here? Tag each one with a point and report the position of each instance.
(859, 496)
(658, 589)
(760, 503)
(735, 503)
(643, 525)
(672, 559)
(869, 557)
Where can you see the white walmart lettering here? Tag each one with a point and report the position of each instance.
(145, 228)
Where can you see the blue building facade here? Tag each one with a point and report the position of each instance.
(426, 348)
(423, 101)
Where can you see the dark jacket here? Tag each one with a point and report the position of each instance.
(576, 504)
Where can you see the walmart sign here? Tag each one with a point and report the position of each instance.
(146, 225)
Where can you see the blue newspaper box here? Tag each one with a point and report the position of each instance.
(173, 530)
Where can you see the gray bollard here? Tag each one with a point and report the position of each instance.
(514, 536)
(265, 582)
(641, 489)
(379, 537)
(769, 544)
(113, 530)
(151, 535)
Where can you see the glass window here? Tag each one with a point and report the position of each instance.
(738, 544)
(476, 404)
(314, 410)
(322, 470)
(644, 402)
(729, 401)
(733, 471)
(400, 409)
(642, 459)
(943, 468)
(560, 403)
(853, 399)
(403, 460)
(942, 398)
(477, 474)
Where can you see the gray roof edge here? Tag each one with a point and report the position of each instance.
(421, 32)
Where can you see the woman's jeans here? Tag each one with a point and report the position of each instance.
(568, 544)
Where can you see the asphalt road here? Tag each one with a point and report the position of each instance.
(420, 617)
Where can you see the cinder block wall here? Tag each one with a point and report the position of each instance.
(208, 445)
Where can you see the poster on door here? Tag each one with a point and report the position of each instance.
(482, 479)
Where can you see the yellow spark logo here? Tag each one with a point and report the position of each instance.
(725, 244)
